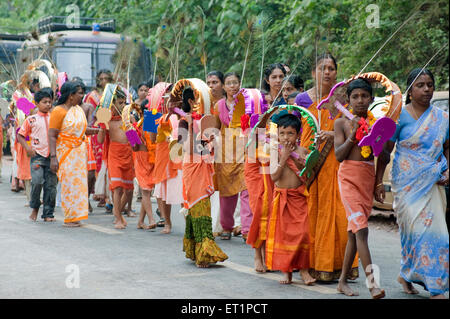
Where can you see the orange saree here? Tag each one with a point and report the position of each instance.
(327, 217)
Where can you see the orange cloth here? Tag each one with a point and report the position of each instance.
(57, 117)
(327, 219)
(356, 183)
(287, 245)
(120, 166)
(23, 163)
(72, 171)
(260, 192)
(91, 162)
(197, 180)
(143, 170)
(164, 168)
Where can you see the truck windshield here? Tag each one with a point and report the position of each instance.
(84, 60)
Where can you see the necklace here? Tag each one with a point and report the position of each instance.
(414, 111)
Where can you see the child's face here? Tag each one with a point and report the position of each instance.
(291, 101)
(287, 134)
(45, 105)
(120, 104)
(232, 85)
(360, 101)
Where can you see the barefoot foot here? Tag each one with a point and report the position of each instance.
(259, 266)
(120, 226)
(287, 278)
(407, 286)
(306, 277)
(167, 229)
(76, 224)
(33, 215)
(344, 288)
(142, 226)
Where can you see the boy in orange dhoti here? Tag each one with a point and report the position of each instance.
(144, 162)
(120, 159)
(356, 178)
(287, 245)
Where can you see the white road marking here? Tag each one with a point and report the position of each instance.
(102, 229)
(273, 276)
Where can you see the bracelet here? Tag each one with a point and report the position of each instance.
(379, 185)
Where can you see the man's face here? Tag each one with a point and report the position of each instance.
(104, 79)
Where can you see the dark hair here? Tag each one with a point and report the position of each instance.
(67, 89)
(321, 57)
(285, 65)
(33, 83)
(119, 94)
(105, 71)
(144, 104)
(413, 75)
(231, 74)
(77, 79)
(289, 120)
(268, 71)
(359, 84)
(218, 74)
(142, 84)
(188, 93)
(43, 93)
(296, 81)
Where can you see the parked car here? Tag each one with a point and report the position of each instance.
(440, 99)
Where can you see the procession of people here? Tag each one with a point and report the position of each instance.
(295, 181)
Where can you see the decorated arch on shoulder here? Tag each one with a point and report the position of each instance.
(376, 132)
(265, 132)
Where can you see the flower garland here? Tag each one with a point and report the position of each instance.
(364, 130)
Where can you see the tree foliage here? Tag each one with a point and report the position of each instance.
(189, 38)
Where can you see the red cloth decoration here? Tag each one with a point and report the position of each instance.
(245, 121)
(196, 116)
(135, 125)
(362, 130)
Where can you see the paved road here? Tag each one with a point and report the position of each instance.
(43, 260)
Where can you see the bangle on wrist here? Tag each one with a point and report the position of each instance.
(379, 185)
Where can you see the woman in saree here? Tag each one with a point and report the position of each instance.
(327, 218)
(67, 130)
(419, 173)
